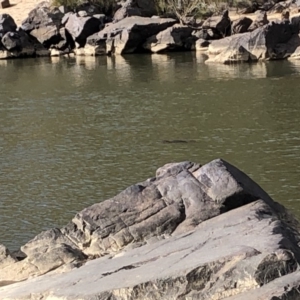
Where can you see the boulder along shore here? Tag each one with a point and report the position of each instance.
(191, 232)
(264, 31)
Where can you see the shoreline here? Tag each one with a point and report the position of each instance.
(226, 38)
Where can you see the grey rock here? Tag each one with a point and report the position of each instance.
(284, 288)
(262, 44)
(177, 200)
(129, 34)
(241, 25)
(260, 21)
(65, 18)
(103, 19)
(129, 8)
(11, 41)
(46, 35)
(89, 50)
(42, 15)
(246, 7)
(82, 13)
(44, 23)
(278, 8)
(7, 24)
(294, 6)
(289, 49)
(221, 25)
(201, 45)
(191, 232)
(172, 38)
(80, 28)
(64, 9)
(205, 34)
(19, 44)
(295, 23)
(65, 41)
(92, 9)
(47, 251)
(5, 257)
(250, 252)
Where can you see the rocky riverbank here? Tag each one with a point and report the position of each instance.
(190, 232)
(134, 28)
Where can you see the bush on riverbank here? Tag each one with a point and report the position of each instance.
(181, 9)
(103, 5)
(191, 8)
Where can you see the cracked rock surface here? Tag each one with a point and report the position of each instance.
(191, 232)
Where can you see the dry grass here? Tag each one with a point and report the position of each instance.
(104, 5)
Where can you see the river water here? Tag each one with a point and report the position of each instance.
(74, 132)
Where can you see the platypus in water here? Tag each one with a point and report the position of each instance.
(177, 141)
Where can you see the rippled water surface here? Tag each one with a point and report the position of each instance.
(77, 131)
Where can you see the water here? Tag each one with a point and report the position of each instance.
(74, 132)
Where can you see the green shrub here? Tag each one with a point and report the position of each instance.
(184, 9)
(106, 6)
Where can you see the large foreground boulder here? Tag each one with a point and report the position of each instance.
(128, 35)
(199, 232)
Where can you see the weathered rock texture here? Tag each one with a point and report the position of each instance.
(220, 25)
(191, 232)
(264, 43)
(80, 28)
(129, 8)
(173, 38)
(241, 25)
(129, 34)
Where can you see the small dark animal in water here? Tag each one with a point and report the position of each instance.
(177, 141)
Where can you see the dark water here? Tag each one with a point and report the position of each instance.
(75, 132)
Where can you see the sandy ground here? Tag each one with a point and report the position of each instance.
(19, 9)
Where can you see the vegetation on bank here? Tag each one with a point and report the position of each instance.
(103, 5)
(181, 9)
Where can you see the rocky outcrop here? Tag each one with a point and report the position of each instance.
(16, 43)
(295, 24)
(129, 8)
(191, 232)
(264, 43)
(241, 25)
(176, 38)
(5, 257)
(91, 30)
(41, 16)
(219, 25)
(260, 21)
(46, 35)
(7, 24)
(44, 23)
(129, 34)
(80, 28)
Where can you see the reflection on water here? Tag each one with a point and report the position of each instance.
(78, 131)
